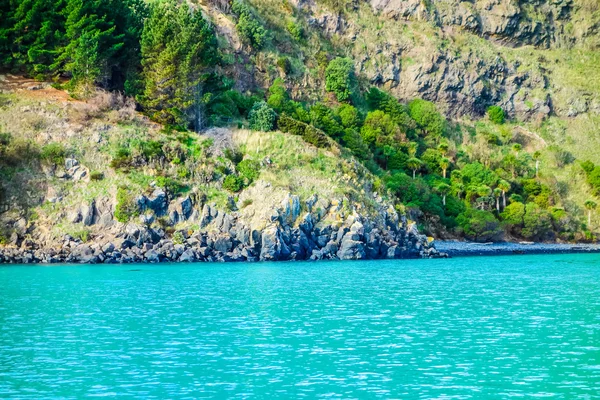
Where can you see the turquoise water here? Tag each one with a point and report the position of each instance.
(521, 326)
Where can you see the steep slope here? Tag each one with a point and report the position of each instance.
(96, 182)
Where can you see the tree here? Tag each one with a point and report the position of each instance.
(513, 217)
(111, 29)
(443, 148)
(349, 116)
(248, 26)
(536, 157)
(262, 117)
(278, 96)
(34, 34)
(504, 186)
(479, 225)
(379, 129)
(483, 192)
(496, 114)
(339, 78)
(444, 164)
(178, 53)
(590, 205)
(537, 222)
(414, 164)
(443, 189)
(497, 194)
(427, 117)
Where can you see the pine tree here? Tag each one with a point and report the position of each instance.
(36, 33)
(110, 27)
(178, 50)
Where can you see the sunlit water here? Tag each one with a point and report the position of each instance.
(522, 326)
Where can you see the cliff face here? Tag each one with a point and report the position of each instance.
(316, 230)
(462, 55)
(542, 23)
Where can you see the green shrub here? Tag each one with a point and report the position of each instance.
(249, 27)
(315, 137)
(262, 117)
(96, 175)
(126, 207)
(295, 30)
(537, 223)
(512, 217)
(178, 238)
(83, 235)
(479, 225)
(496, 114)
(284, 64)
(339, 78)
(169, 184)
(122, 158)
(233, 183)
(151, 149)
(249, 170)
(290, 125)
(54, 153)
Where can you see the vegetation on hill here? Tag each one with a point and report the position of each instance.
(483, 176)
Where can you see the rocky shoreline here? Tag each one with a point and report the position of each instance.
(325, 232)
(462, 249)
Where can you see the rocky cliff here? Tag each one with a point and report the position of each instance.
(462, 55)
(316, 230)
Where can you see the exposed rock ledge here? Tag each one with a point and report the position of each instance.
(324, 231)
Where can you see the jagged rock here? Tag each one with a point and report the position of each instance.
(157, 202)
(290, 209)
(87, 213)
(187, 256)
(70, 163)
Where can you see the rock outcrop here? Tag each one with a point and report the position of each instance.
(290, 231)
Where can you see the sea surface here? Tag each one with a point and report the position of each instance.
(464, 328)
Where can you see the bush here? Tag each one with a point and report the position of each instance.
(315, 137)
(309, 133)
(249, 28)
(479, 225)
(512, 217)
(537, 223)
(427, 117)
(262, 117)
(83, 235)
(339, 78)
(233, 183)
(53, 153)
(96, 176)
(496, 114)
(290, 125)
(249, 170)
(295, 30)
(126, 207)
(284, 64)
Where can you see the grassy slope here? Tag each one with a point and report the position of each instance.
(92, 135)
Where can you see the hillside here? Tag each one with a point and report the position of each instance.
(476, 120)
(98, 182)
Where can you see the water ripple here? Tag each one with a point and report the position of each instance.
(467, 328)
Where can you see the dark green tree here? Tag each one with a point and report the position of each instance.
(178, 52)
(339, 78)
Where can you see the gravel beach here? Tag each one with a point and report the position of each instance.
(456, 248)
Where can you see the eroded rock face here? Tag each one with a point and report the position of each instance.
(319, 229)
(508, 21)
